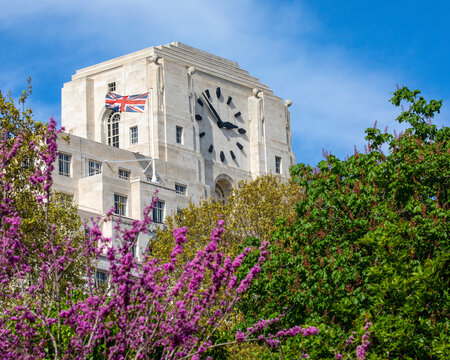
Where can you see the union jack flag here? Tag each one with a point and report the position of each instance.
(129, 103)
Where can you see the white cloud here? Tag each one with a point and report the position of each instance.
(334, 103)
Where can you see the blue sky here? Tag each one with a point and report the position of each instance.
(339, 61)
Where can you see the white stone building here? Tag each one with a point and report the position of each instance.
(207, 124)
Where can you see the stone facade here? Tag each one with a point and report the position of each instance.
(207, 125)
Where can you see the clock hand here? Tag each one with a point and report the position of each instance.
(213, 111)
(220, 123)
(211, 108)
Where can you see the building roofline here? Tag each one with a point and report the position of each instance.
(190, 56)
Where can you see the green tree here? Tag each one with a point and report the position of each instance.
(370, 241)
(16, 121)
(251, 210)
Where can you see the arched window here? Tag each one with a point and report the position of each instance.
(220, 194)
(222, 190)
(113, 129)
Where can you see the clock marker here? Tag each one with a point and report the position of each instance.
(207, 93)
(229, 100)
(237, 114)
(198, 117)
(200, 102)
(239, 145)
(232, 155)
(241, 131)
(222, 156)
(218, 93)
(201, 134)
(211, 148)
(227, 125)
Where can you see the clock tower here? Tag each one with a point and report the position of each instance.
(207, 125)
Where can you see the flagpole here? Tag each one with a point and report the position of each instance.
(154, 178)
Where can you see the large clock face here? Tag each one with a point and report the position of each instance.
(222, 128)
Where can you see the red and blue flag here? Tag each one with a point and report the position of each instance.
(129, 103)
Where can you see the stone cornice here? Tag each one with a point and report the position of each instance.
(209, 64)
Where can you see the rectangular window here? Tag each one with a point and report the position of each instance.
(277, 164)
(124, 174)
(179, 135)
(134, 135)
(64, 161)
(101, 278)
(120, 205)
(27, 163)
(180, 189)
(158, 212)
(112, 86)
(95, 167)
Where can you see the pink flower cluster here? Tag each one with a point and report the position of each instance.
(361, 350)
(271, 339)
